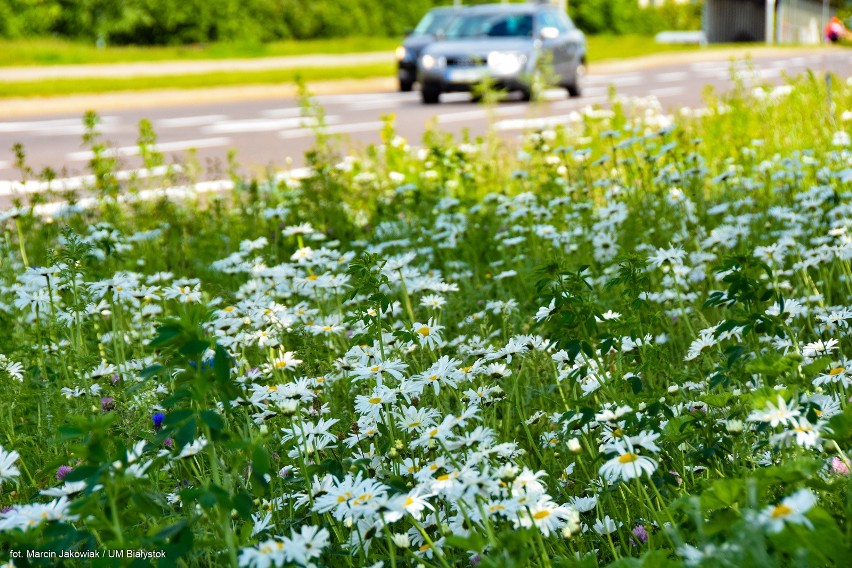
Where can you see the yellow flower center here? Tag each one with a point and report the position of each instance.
(312, 277)
(444, 477)
(781, 510)
(836, 371)
(375, 369)
(376, 400)
(424, 331)
(629, 457)
(541, 515)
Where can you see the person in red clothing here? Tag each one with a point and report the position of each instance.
(835, 30)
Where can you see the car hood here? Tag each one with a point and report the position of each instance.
(481, 47)
(416, 43)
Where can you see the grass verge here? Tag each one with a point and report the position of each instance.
(60, 87)
(57, 52)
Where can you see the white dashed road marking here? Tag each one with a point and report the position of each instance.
(369, 105)
(581, 102)
(335, 129)
(186, 121)
(8, 188)
(161, 147)
(667, 92)
(282, 112)
(57, 127)
(480, 113)
(617, 80)
(263, 124)
(672, 77)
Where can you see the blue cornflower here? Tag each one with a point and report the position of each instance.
(158, 420)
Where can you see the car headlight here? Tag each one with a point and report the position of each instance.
(502, 63)
(429, 62)
(400, 53)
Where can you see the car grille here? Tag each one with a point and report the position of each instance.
(465, 61)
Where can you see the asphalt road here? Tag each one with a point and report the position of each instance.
(272, 133)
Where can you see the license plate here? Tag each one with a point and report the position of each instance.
(472, 75)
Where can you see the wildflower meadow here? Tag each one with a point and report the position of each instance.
(621, 341)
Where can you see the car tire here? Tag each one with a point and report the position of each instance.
(430, 93)
(406, 86)
(575, 88)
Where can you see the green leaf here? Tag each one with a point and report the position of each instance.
(213, 420)
(222, 364)
(474, 541)
(260, 460)
(194, 347)
(815, 367)
(67, 433)
(150, 371)
(841, 424)
(82, 473)
(177, 417)
(171, 530)
(722, 493)
(635, 384)
(243, 504)
(166, 334)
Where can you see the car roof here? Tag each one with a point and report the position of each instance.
(526, 8)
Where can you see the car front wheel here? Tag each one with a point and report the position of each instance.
(430, 93)
(575, 88)
(406, 86)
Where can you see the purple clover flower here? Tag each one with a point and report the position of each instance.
(640, 533)
(63, 471)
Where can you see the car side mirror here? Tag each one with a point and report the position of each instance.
(548, 32)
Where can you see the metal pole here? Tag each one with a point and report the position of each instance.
(825, 15)
(770, 21)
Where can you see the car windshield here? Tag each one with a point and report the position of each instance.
(434, 22)
(491, 25)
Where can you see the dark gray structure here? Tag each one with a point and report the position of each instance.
(770, 21)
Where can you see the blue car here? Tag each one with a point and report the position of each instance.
(509, 45)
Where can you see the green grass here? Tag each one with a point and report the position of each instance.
(59, 52)
(605, 47)
(95, 85)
